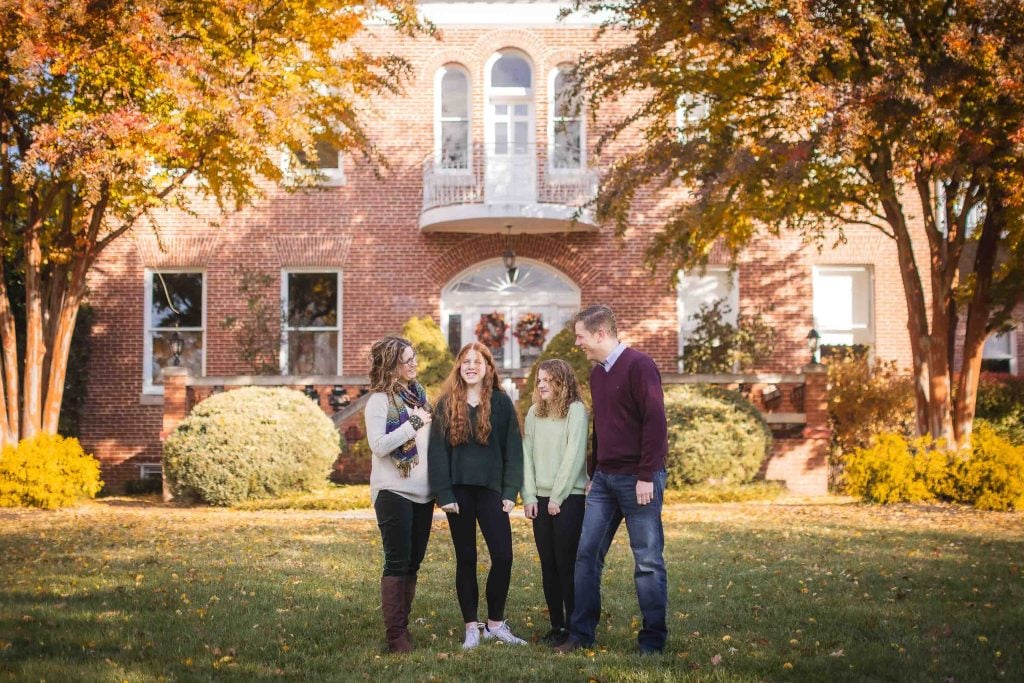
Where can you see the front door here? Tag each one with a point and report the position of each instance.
(511, 167)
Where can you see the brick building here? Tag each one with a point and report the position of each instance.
(480, 163)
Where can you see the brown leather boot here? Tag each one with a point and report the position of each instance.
(410, 596)
(392, 605)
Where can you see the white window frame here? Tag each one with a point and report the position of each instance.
(689, 108)
(285, 329)
(148, 387)
(553, 120)
(1012, 357)
(733, 300)
(819, 270)
(511, 97)
(295, 171)
(439, 120)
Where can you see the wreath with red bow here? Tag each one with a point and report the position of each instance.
(490, 331)
(530, 330)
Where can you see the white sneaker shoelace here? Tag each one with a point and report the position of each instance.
(503, 634)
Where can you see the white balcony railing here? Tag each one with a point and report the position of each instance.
(493, 176)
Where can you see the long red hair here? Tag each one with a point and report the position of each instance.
(454, 393)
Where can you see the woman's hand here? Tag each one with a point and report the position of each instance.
(451, 508)
(530, 510)
(421, 414)
(507, 506)
(553, 508)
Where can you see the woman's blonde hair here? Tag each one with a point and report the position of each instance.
(453, 395)
(385, 355)
(564, 388)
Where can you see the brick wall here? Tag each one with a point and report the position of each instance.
(391, 271)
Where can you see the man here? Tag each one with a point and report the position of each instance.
(627, 468)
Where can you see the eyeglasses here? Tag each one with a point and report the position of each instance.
(412, 360)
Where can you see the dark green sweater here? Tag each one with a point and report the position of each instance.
(497, 465)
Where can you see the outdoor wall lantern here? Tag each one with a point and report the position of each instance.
(338, 398)
(311, 393)
(508, 257)
(177, 346)
(812, 345)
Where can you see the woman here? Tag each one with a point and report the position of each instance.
(554, 481)
(476, 469)
(397, 428)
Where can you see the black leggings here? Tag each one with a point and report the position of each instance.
(479, 504)
(404, 531)
(557, 538)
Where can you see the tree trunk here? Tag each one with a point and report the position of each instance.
(10, 420)
(35, 347)
(60, 346)
(978, 313)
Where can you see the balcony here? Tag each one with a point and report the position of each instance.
(507, 186)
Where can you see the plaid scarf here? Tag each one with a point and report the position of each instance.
(400, 399)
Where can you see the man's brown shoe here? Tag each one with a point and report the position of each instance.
(570, 645)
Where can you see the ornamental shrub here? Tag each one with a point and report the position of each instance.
(435, 358)
(895, 470)
(714, 436)
(716, 346)
(250, 443)
(1001, 405)
(47, 471)
(865, 399)
(563, 346)
(992, 478)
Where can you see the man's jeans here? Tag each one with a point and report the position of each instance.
(612, 497)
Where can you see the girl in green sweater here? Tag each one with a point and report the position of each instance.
(554, 483)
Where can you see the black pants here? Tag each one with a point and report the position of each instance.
(404, 531)
(479, 504)
(557, 538)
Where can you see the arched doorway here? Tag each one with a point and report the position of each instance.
(485, 289)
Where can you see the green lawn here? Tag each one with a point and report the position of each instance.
(120, 590)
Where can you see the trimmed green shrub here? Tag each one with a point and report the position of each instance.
(1001, 406)
(435, 358)
(714, 436)
(563, 346)
(992, 478)
(250, 443)
(47, 471)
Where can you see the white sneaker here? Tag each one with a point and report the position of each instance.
(503, 634)
(472, 638)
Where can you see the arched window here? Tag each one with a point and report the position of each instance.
(485, 289)
(511, 70)
(565, 124)
(452, 125)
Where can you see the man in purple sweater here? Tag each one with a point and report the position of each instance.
(627, 469)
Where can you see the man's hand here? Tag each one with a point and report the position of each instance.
(530, 510)
(553, 508)
(586, 489)
(644, 492)
(507, 505)
(453, 508)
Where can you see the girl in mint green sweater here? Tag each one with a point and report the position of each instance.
(554, 483)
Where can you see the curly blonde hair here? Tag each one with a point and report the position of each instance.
(453, 397)
(565, 389)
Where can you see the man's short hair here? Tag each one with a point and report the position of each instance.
(595, 317)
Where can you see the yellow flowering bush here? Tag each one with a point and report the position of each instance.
(893, 469)
(47, 471)
(992, 478)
